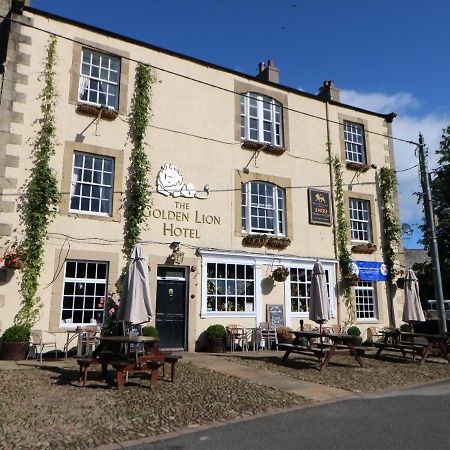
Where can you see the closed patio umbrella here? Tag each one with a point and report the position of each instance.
(412, 309)
(135, 306)
(318, 297)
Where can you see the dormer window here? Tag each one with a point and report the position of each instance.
(261, 119)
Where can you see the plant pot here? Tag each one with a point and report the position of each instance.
(217, 345)
(14, 351)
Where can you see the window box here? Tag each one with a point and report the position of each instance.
(254, 240)
(364, 248)
(360, 167)
(253, 145)
(279, 243)
(92, 110)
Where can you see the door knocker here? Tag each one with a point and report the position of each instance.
(170, 292)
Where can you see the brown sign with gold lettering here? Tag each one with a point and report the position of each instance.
(319, 207)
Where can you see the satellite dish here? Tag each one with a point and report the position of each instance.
(406, 228)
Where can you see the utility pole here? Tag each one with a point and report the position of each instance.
(429, 217)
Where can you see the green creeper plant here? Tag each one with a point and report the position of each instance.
(391, 226)
(40, 199)
(345, 260)
(138, 198)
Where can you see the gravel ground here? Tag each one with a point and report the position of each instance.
(48, 408)
(344, 372)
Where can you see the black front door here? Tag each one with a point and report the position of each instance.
(171, 308)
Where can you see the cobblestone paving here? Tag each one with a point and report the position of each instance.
(48, 408)
(344, 372)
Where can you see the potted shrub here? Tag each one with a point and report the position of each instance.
(216, 337)
(280, 273)
(356, 333)
(285, 335)
(15, 342)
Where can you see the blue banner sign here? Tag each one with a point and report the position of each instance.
(370, 270)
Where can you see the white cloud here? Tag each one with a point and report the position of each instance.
(406, 126)
(374, 101)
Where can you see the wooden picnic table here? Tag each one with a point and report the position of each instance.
(341, 344)
(125, 362)
(414, 343)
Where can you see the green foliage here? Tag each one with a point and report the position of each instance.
(440, 192)
(216, 332)
(149, 331)
(138, 196)
(405, 328)
(41, 196)
(17, 333)
(391, 226)
(354, 331)
(345, 259)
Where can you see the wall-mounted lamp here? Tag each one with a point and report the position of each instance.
(406, 228)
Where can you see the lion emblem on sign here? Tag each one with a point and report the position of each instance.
(170, 182)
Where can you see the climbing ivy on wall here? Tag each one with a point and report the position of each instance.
(138, 194)
(344, 255)
(391, 226)
(40, 199)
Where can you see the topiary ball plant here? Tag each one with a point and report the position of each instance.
(17, 333)
(149, 331)
(405, 328)
(285, 335)
(354, 331)
(216, 331)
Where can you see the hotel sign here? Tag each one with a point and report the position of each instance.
(319, 207)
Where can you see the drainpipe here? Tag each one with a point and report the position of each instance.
(333, 218)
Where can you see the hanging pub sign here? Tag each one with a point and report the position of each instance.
(370, 270)
(319, 207)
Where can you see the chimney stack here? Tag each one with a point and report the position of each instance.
(269, 72)
(329, 92)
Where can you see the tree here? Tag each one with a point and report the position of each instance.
(440, 192)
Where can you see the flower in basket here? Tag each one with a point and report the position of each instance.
(352, 279)
(14, 258)
(280, 273)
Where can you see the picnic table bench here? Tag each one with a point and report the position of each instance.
(342, 344)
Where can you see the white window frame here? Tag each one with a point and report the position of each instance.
(355, 149)
(257, 113)
(107, 79)
(79, 184)
(83, 281)
(328, 267)
(360, 227)
(369, 288)
(277, 210)
(264, 265)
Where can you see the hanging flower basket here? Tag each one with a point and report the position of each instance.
(351, 280)
(280, 273)
(364, 248)
(254, 240)
(279, 243)
(14, 259)
(400, 282)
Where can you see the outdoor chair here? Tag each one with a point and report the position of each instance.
(90, 338)
(372, 334)
(268, 336)
(236, 335)
(41, 339)
(336, 329)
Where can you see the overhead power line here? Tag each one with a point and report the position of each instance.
(195, 80)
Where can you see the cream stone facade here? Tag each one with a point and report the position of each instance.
(195, 127)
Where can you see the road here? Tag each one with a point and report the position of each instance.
(414, 418)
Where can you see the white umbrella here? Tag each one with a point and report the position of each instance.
(412, 309)
(318, 297)
(135, 306)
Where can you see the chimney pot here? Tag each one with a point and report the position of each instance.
(268, 73)
(261, 67)
(329, 92)
(270, 63)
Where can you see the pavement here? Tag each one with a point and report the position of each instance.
(220, 363)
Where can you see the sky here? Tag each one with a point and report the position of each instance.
(384, 55)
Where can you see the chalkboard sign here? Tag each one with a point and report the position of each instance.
(275, 316)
